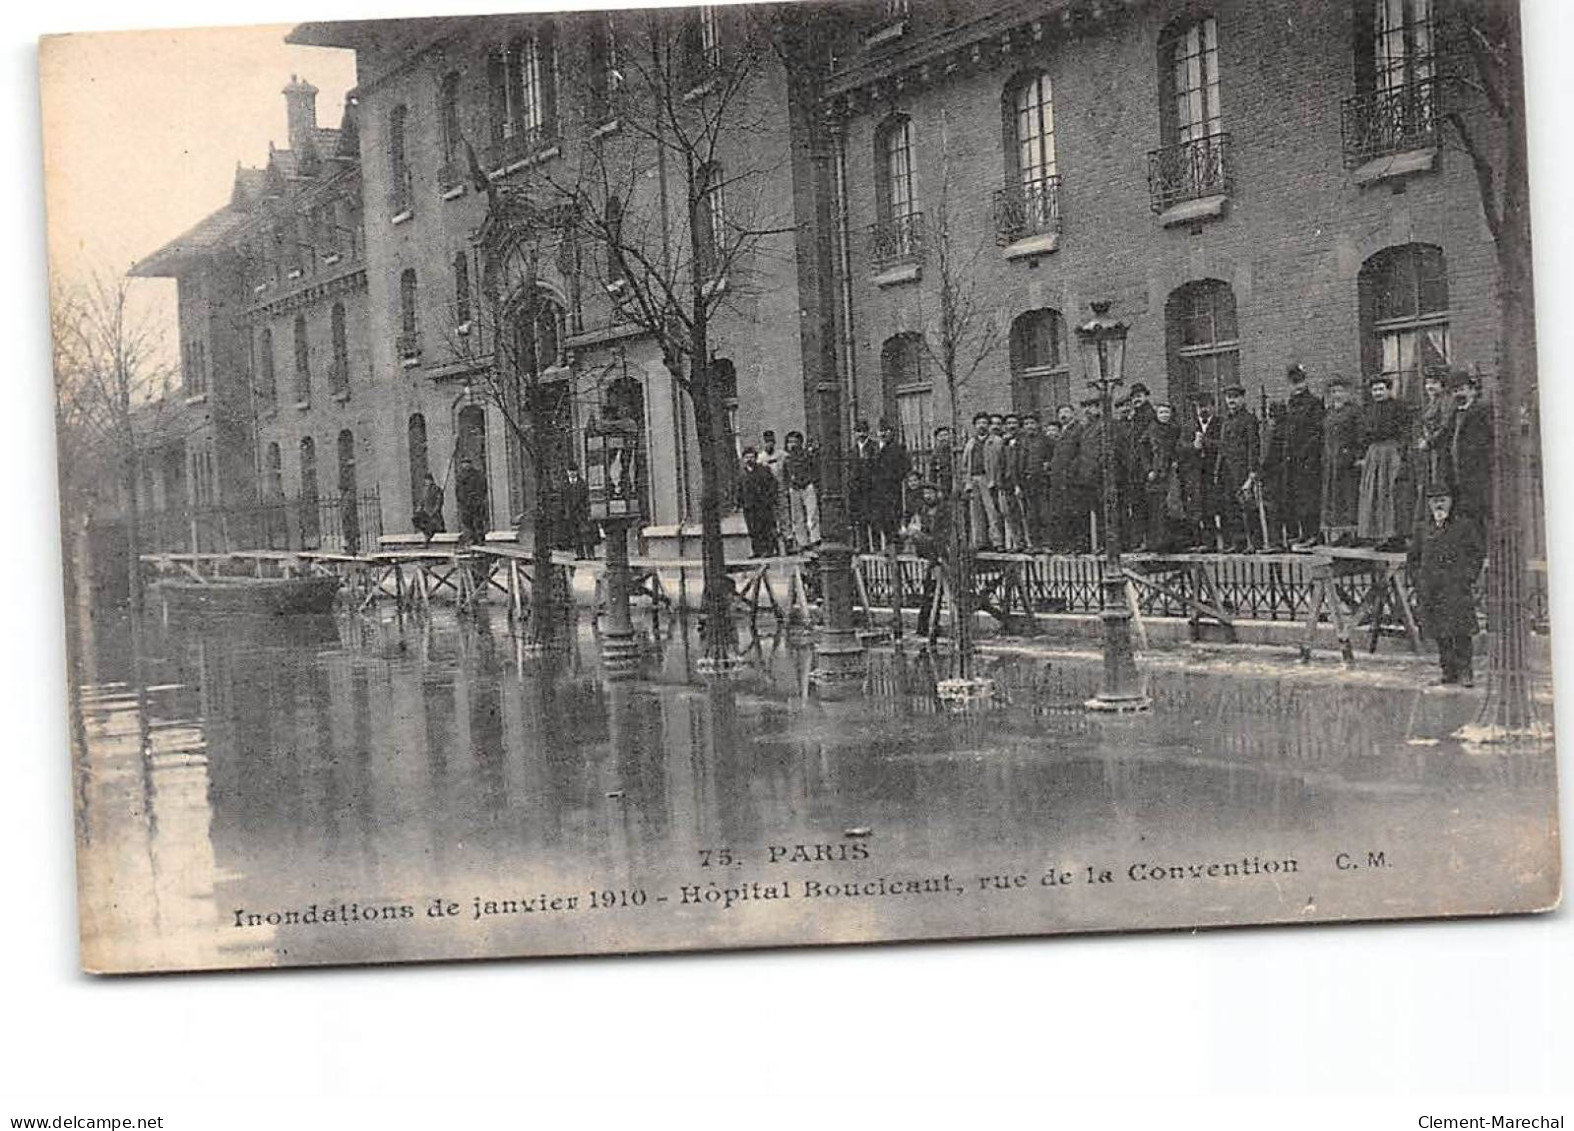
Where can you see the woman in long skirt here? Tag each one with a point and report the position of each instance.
(1386, 507)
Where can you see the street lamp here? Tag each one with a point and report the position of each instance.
(1102, 341)
(612, 483)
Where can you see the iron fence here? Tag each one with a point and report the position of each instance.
(331, 523)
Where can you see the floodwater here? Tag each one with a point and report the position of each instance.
(379, 790)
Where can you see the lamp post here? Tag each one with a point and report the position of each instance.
(612, 482)
(1102, 341)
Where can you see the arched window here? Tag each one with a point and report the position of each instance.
(1193, 161)
(605, 75)
(303, 362)
(449, 132)
(311, 517)
(349, 495)
(522, 85)
(400, 194)
(1202, 340)
(907, 396)
(462, 311)
(267, 375)
(711, 217)
(1040, 365)
(339, 377)
(1404, 315)
(1030, 202)
(409, 329)
(419, 461)
(1395, 108)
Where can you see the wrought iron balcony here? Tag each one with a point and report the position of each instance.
(1191, 170)
(896, 241)
(451, 174)
(522, 145)
(1028, 209)
(1386, 122)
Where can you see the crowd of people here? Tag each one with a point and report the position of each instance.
(1358, 466)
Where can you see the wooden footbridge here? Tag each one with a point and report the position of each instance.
(1358, 592)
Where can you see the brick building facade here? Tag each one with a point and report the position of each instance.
(1250, 183)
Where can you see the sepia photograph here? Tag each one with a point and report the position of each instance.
(787, 474)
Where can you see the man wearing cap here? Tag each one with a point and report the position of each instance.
(774, 460)
(980, 467)
(932, 542)
(1088, 472)
(1240, 453)
(860, 476)
(1445, 564)
(1342, 451)
(885, 489)
(1033, 454)
(1066, 528)
(1469, 455)
(1382, 520)
(1142, 416)
(1303, 457)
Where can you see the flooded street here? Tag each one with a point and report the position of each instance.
(330, 791)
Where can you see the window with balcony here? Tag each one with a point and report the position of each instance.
(339, 375)
(1189, 175)
(1027, 209)
(1404, 316)
(896, 239)
(1040, 364)
(401, 198)
(1202, 342)
(523, 98)
(408, 347)
(1391, 126)
(303, 363)
(907, 395)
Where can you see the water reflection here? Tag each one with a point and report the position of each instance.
(397, 761)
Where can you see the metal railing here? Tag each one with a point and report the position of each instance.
(1191, 170)
(1385, 122)
(1028, 209)
(896, 240)
(519, 146)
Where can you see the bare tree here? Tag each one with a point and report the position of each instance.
(961, 338)
(111, 371)
(1485, 112)
(677, 222)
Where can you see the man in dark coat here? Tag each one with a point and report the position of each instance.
(471, 493)
(860, 478)
(428, 517)
(1469, 456)
(1444, 566)
(1240, 455)
(1197, 464)
(1068, 526)
(1135, 497)
(1088, 470)
(1033, 454)
(757, 498)
(932, 542)
(1156, 453)
(1303, 457)
(942, 462)
(1343, 446)
(887, 473)
(578, 533)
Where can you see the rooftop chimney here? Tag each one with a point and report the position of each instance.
(300, 98)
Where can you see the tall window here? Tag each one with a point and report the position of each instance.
(606, 75)
(1404, 315)
(450, 134)
(711, 216)
(409, 329)
(1203, 342)
(1040, 369)
(273, 472)
(1395, 108)
(311, 519)
(522, 93)
(339, 377)
(267, 375)
(303, 362)
(1031, 198)
(349, 495)
(907, 395)
(539, 345)
(896, 236)
(700, 40)
(400, 196)
(1192, 162)
(419, 465)
(462, 311)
